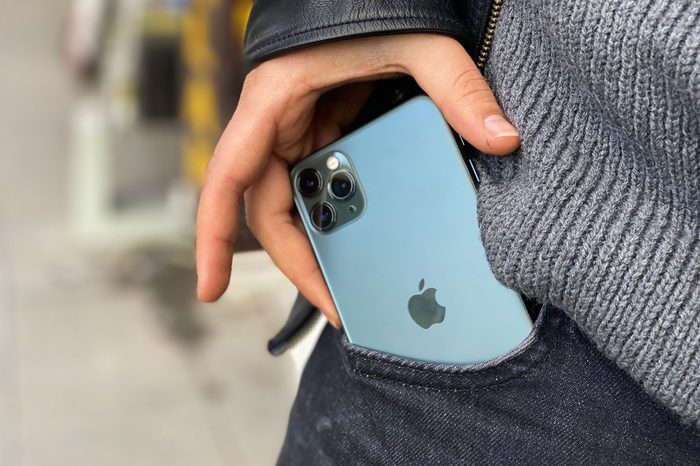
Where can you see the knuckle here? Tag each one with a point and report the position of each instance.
(282, 69)
(253, 80)
(216, 174)
(275, 81)
(469, 88)
(262, 73)
(262, 78)
(235, 185)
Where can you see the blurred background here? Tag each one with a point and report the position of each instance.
(109, 112)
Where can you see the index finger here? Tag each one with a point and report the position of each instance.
(240, 156)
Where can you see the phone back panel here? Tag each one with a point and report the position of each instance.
(419, 224)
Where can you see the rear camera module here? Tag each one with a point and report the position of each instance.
(323, 216)
(309, 182)
(342, 185)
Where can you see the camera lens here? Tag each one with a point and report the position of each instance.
(342, 185)
(323, 216)
(309, 181)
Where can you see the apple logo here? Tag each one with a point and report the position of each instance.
(424, 308)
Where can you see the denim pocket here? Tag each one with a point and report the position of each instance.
(554, 399)
(531, 352)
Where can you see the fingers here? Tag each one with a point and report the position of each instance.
(275, 111)
(441, 67)
(448, 75)
(276, 114)
(240, 156)
(268, 214)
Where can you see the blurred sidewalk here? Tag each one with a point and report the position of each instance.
(98, 367)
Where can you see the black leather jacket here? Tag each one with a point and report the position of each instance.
(277, 26)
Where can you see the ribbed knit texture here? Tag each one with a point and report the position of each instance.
(599, 211)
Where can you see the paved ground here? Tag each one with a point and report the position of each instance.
(96, 369)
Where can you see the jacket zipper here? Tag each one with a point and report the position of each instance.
(486, 42)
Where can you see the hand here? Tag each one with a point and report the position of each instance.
(294, 104)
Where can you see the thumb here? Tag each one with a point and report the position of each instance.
(448, 75)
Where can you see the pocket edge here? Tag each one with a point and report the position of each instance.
(526, 356)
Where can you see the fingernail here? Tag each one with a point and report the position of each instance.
(499, 127)
(335, 322)
(332, 319)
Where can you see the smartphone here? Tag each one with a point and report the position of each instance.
(390, 211)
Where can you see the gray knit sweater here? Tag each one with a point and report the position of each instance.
(599, 211)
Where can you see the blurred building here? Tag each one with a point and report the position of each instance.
(105, 355)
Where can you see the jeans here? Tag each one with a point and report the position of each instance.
(553, 400)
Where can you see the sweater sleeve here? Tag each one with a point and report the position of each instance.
(278, 26)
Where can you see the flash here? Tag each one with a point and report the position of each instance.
(332, 162)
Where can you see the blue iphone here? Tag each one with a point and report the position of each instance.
(390, 211)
